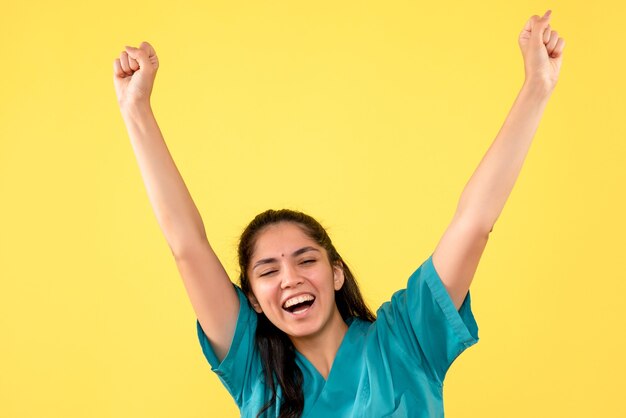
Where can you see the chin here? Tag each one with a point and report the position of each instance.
(302, 329)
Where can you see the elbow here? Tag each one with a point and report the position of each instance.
(189, 248)
(479, 226)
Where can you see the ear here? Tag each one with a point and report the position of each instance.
(338, 275)
(255, 303)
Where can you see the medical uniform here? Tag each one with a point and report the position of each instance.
(393, 367)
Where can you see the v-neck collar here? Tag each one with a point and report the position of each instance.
(339, 387)
(343, 346)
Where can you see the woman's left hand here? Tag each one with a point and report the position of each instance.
(542, 50)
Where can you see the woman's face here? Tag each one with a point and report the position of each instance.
(287, 263)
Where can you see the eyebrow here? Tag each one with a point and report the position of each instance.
(295, 254)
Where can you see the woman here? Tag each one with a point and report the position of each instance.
(295, 338)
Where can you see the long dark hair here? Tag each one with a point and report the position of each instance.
(276, 349)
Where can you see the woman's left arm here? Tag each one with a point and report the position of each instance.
(458, 252)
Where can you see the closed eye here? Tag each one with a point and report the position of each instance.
(274, 271)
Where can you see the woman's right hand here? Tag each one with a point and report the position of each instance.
(134, 73)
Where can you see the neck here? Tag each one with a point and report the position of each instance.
(320, 349)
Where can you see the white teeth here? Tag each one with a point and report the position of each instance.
(298, 299)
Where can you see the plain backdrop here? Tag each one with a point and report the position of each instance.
(369, 116)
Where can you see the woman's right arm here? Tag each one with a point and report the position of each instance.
(210, 290)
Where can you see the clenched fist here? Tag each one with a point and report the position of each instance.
(542, 50)
(133, 74)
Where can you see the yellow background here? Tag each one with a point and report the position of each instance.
(370, 116)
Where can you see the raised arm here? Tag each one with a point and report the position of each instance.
(210, 291)
(458, 252)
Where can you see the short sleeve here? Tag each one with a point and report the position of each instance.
(240, 368)
(425, 321)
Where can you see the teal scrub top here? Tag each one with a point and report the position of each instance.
(392, 367)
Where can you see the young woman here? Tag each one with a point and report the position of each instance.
(295, 338)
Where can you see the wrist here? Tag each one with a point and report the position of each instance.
(134, 106)
(537, 88)
(135, 109)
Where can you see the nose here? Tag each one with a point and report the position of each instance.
(290, 278)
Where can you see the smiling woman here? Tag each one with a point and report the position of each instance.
(306, 344)
(287, 258)
(295, 337)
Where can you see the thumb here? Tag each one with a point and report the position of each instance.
(143, 56)
(540, 27)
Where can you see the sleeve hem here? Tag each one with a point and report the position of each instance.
(242, 322)
(463, 321)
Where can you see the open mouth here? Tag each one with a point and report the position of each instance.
(300, 308)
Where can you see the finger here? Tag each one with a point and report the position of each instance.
(138, 55)
(125, 64)
(148, 48)
(558, 49)
(552, 43)
(540, 26)
(528, 27)
(134, 65)
(145, 56)
(546, 35)
(117, 69)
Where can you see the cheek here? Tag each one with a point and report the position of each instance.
(266, 293)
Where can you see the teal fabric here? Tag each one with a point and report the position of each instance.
(393, 367)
